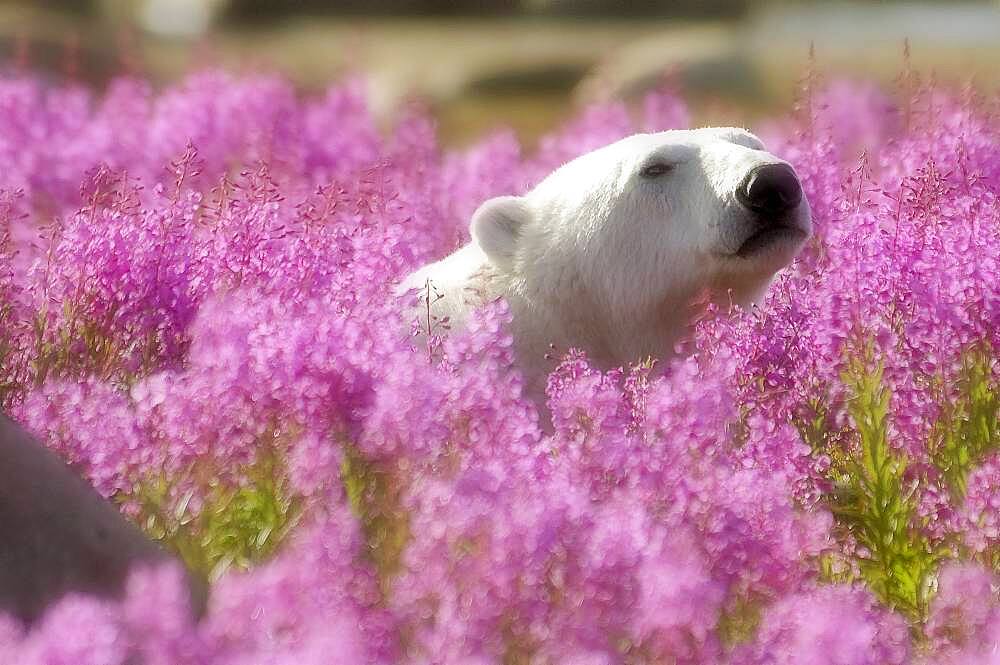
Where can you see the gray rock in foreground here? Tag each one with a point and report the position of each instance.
(58, 534)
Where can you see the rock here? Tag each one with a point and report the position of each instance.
(59, 534)
(702, 59)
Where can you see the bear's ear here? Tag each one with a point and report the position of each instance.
(497, 225)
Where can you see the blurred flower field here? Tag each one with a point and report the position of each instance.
(198, 315)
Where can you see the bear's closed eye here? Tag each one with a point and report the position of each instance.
(656, 169)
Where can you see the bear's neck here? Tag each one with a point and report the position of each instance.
(552, 319)
(560, 319)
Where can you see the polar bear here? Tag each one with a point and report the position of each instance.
(610, 251)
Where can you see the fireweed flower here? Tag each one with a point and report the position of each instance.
(198, 315)
(828, 625)
(93, 427)
(979, 524)
(964, 623)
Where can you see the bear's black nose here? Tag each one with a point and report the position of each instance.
(770, 189)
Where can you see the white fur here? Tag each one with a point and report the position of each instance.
(600, 258)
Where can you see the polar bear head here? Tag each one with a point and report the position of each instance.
(637, 229)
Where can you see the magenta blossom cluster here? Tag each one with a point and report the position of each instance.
(199, 315)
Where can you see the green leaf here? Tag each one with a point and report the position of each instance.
(244, 520)
(874, 503)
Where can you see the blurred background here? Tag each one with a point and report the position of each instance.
(480, 64)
